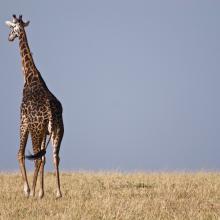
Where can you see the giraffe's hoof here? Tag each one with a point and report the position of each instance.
(26, 193)
(41, 194)
(32, 194)
(58, 195)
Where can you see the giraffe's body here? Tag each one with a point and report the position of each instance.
(41, 114)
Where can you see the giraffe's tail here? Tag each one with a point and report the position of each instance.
(39, 154)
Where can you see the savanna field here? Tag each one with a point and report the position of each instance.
(115, 195)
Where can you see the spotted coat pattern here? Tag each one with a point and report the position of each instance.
(40, 116)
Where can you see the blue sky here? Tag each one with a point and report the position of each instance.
(138, 80)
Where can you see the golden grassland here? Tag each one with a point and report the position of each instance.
(115, 195)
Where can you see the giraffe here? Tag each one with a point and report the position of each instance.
(40, 114)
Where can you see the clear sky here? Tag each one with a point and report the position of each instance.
(139, 82)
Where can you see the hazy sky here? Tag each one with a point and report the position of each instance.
(139, 82)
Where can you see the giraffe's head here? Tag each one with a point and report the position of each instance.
(17, 25)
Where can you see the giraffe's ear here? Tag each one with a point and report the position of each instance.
(26, 23)
(9, 24)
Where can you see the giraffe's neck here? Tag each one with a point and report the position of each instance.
(31, 74)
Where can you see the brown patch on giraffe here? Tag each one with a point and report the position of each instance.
(24, 52)
(22, 46)
(27, 58)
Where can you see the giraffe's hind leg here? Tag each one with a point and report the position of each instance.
(21, 159)
(37, 139)
(56, 142)
(41, 191)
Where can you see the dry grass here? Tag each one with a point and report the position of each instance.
(88, 195)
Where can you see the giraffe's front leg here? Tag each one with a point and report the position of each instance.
(37, 138)
(21, 159)
(36, 170)
(41, 191)
(24, 174)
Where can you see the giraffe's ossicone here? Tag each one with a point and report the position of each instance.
(41, 114)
